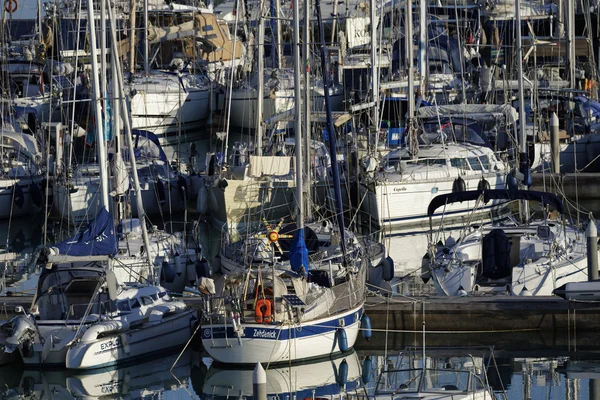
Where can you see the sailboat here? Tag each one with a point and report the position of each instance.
(97, 301)
(440, 373)
(513, 256)
(286, 312)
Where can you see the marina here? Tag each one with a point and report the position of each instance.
(299, 200)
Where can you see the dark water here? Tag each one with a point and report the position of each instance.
(191, 376)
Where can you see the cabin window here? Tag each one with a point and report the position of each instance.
(135, 303)
(460, 163)
(436, 161)
(123, 305)
(163, 295)
(146, 301)
(474, 163)
(485, 161)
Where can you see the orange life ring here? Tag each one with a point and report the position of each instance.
(262, 311)
(11, 6)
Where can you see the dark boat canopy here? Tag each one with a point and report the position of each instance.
(499, 194)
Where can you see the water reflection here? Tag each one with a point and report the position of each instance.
(328, 377)
(519, 374)
(150, 379)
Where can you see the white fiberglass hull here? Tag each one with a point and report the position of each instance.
(244, 105)
(150, 338)
(396, 204)
(80, 203)
(266, 343)
(165, 109)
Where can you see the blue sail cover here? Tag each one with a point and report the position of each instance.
(299, 253)
(96, 240)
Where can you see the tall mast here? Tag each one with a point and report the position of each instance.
(260, 70)
(298, 115)
(307, 102)
(100, 143)
(331, 129)
(524, 164)
(410, 60)
(132, 37)
(423, 69)
(374, 70)
(571, 8)
(146, 44)
(121, 99)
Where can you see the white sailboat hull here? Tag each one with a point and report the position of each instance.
(80, 203)
(244, 106)
(266, 343)
(396, 204)
(134, 343)
(164, 103)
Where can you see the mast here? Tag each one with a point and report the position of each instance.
(146, 44)
(524, 164)
(132, 38)
(571, 8)
(374, 71)
(260, 70)
(307, 101)
(424, 71)
(331, 129)
(134, 171)
(298, 114)
(410, 59)
(100, 144)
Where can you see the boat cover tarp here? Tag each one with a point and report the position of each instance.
(98, 238)
(496, 255)
(299, 253)
(147, 145)
(498, 194)
(472, 111)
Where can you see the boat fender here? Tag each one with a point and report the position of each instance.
(125, 343)
(367, 368)
(223, 184)
(426, 268)
(168, 273)
(342, 339)
(512, 185)
(160, 190)
(483, 184)
(18, 196)
(388, 269)
(183, 187)
(178, 265)
(190, 272)
(36, 194)
(262, 311)
(365, 326)
(202, 202)
(459, 185)
(203, 268)
(342, 376)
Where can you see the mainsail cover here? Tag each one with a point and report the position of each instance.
(299, 253)
(97, 239)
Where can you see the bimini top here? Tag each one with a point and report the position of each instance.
(499, 194)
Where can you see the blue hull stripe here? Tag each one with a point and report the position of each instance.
(275, 332)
